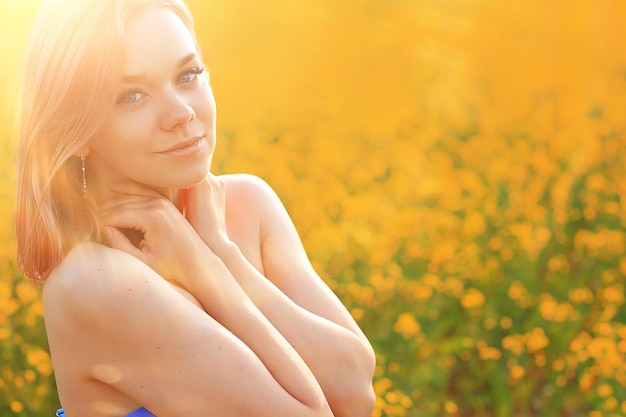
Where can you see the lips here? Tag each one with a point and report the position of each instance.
(182, 145)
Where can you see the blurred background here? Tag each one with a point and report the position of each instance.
(456, 169)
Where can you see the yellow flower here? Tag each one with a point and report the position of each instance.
(517, 372)
(536, 340)
(406, 325)
(614, 294)
(473, 298)
(604, 390)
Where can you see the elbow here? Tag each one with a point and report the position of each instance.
(357, 398)
(356, 403)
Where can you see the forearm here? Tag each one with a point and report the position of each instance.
(230, 306)
(340, 359)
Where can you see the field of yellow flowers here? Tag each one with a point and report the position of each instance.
(456, 170)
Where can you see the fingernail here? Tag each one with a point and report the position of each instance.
(109, 232)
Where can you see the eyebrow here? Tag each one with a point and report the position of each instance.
(141, 76)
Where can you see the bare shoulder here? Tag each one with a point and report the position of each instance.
(247, 187)
(86, 259)
(74, 278)
(254, 195)
(252, 204)
(94, 285)
(90, 273)
(94, 299)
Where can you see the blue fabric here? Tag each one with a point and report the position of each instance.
(142, 412)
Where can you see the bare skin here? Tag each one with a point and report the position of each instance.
(134, 339)
(217, 311)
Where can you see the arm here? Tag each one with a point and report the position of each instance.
(231, 362)
(340, 360)
(298, 303)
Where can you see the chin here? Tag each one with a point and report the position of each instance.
(195, 177)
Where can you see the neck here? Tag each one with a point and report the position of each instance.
(99, 191)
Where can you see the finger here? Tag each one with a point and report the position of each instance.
(117, 240)
(135, 188)
(138, 219)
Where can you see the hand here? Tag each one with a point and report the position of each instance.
(206, 211)
(170, 245)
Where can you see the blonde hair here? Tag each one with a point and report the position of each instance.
(72, 71)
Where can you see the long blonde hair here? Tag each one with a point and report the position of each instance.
(71, 76)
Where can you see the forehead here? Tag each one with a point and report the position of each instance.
(155, 36)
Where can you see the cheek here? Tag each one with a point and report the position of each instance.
(116, 144)
(124, 131)
(205, 106)
(132, 124)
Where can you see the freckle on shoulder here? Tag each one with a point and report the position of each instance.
(83, 266)
(87, 280)
(85, 257)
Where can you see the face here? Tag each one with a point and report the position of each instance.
(161, 131)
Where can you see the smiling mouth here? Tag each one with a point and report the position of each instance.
(184, 146)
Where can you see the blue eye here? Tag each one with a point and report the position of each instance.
(189, 76)
(130, 97)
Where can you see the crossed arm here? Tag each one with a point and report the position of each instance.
(301, 306)
(267, 347)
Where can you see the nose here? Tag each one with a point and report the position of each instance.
(176, 113)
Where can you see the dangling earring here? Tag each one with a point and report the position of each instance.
(82, 167)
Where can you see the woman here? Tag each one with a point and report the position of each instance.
(168, 291)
